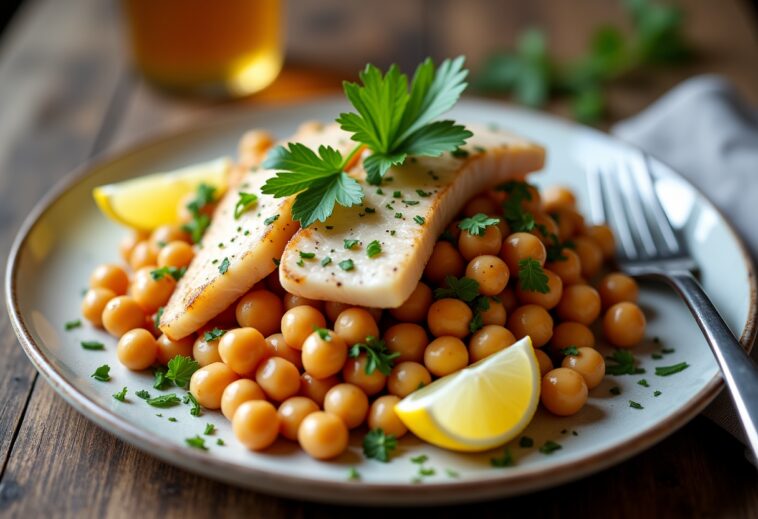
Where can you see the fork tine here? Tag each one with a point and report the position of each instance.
(597, 201)
(611, 201)
(636, 211)
(646, 190)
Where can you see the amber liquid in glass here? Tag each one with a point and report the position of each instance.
(207, 47)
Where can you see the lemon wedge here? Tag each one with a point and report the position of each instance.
(480, 407)
(153, 200)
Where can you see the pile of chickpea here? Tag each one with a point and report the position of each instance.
(282, 366)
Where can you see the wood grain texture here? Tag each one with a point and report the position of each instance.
(64, 93)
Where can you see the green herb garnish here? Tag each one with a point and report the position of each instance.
(92, 345)
(532, 277)
(196, 410)
(373, 249)
(378, 445)
(212, 335)
(465, 289)
(350, 244)
(180, 370)
(571, 350)
(224, 266)
(506, 460)
(143, 394)
(196, 227)
(169, 400)
(71, 325)
(245, 202)
(635, 405)
(377, 355)
(209, 429)
(326, 261)
(665, 371)
(622, 362)
(198, 442)
(346, 265)
(271, 219)
(121, 395)
(550, 447)
(477, 224)
(525, 442)
(174, 272)
(102, 373)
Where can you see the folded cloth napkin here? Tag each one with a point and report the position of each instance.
(708, 133)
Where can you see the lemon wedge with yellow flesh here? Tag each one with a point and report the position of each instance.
(480, 407)
(153, 200)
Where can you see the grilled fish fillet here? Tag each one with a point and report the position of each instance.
(406, 216)
(237, 253)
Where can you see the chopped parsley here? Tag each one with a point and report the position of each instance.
(422, 193)
(451, 473)
(180, 370)
(271, 219)
(220, 442)
(465, 289)
(245, 202)
(212, 335)
(102, 373)
(656, 393)
(323, 334)
(378, 445)
(346, 265)
(92, 345)
(159, 378)
(477, 224)
(197, 226)
(532, 277)
(635, 405)
(411, 202)
(121, 395)
(550, 447)
(377, 355)
(353, 475)
(506, 460)
(197, 442)
(307, 255)
(419, 219)
(174, 272)
(459, 153)
(71, 325)
(209, 429)
(196, 410)
(157, 317)
(350, 244)
(143, 394)
(571, 350)
(163, 401)
(374, 249)
(622, 363)
(224, 266)
(615, 390)
(326, 261)
(420, 459)
(397, 194)
(525, 442)
(398, 215)
(642, 382)
(665, 371)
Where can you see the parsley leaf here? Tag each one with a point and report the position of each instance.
(102, 373)
(353, 474)
(70, 325)
(326, 261)
(196, 410)
(550, 447)
(571, 350)
(350, 244)
(159, 378)
(92, 345)
(377, 355)
(245, 202)
(196, 227)
(622, 363)
(378, 445)
(198, 442)
(209, 429)
(121, 395)
(180, 370)
(532, 277)
(525, 442)
(224, 267)
(465, 289)
(157, 317)
(635, 405)
(373, 249)
(169, 400)
(144, 395)
(174, 272)
(506, 460)
(665, 371)
(346, 265)
(477, 224)
(271, 219)
(213, 334)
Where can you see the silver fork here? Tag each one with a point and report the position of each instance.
(623, 195)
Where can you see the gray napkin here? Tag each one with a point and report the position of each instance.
(708, 133)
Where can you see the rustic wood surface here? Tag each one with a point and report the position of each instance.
(66, 93)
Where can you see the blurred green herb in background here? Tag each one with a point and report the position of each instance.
(532, 75)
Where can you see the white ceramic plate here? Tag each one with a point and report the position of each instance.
(66, 237)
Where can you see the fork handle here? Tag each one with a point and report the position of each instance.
(738, 369)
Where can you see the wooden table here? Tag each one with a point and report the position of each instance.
(66, 93)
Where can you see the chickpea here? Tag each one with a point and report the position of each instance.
(278, 378)
(137, 349)
(531, 320)
(176, 254)
(242, 350)
(444, 261)
(481, 204)
(260, 309)
(406, 377)
(349, 402)
(505, 229)
(449, 317)
(151, 293)
(549, 299)
(545, 228)
(333, 309)
(142, 256)
(94, 303)
(569, 333)
(292, 300)
(519, 246)
(208, 383)
(488, 340)
(471, 245)
(557, 197)
(354, 325)
(273, 283)
(407, 339)
(168, 349)
(533, 201)
(164, 235)
(445, 355)
(237, 393)
(590, 255)
(226, 319)
(121, 314)
(624, 324)
(616, 288)
(414, 308)
(256, 424)
(603, 236)
(128, 242)
(589, 364)
(570, 223)
(315, 388)
(579, 303)
(298, 323)
(490, 272)
(568, 269)
(109, 276)
(323, 354)
(544, 362)
(382, 416)
(564, 391)
(322, 435)
(205, 352)
(495, 313)
(278, 347)
(509, 299)
(292, 412)
(354, 372)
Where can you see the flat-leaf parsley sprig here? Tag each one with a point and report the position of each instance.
(392, 121)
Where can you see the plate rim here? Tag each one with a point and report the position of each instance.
(294, 486)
